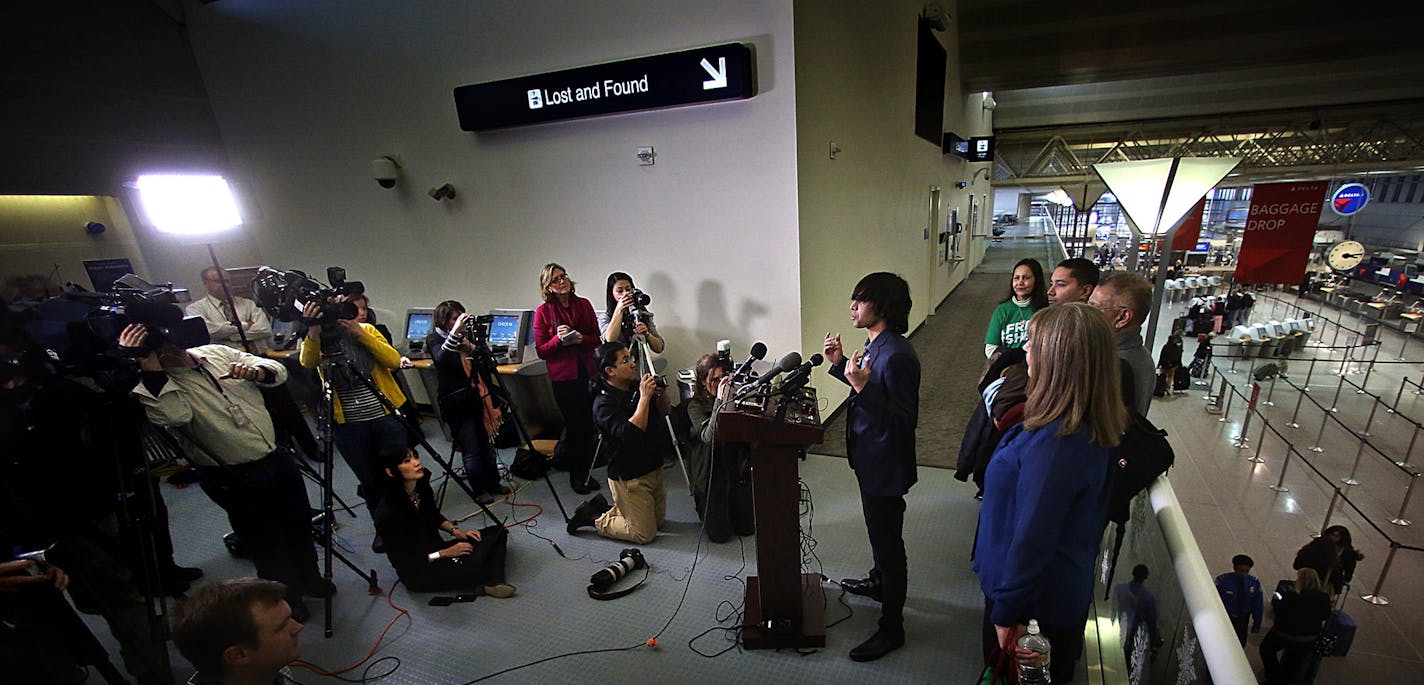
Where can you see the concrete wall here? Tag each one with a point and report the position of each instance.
(44, 234)
(868, 209)
(307, 94)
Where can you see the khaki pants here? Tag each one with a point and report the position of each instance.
(639, 509)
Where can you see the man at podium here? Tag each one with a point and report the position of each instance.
(881, 415)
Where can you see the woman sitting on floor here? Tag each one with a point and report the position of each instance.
(409, 523)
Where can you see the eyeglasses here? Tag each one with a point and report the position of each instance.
(559, 279)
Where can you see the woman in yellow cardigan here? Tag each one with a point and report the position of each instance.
(364, 427)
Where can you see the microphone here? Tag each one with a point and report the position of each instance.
(787, 363)
(757, 353)
(801, 375)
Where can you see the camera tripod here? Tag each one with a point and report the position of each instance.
(489, 373)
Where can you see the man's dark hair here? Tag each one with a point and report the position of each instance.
(219, 616)
(1139, 572)
(607, 355)
(889, 297)
(1084, 271)
(1242, 560)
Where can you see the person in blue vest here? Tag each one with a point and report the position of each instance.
(881, 414)
(1241, 593)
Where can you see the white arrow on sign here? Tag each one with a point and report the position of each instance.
(719, 74)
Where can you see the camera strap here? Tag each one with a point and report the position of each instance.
(604, 594)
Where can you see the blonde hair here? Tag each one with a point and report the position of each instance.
(546, 279)
(1074, 374)
(1307, 580)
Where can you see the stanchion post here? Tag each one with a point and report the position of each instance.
(1335, 403)
(1280, 485)
(1260, 440)
(1356, 467)
(1399, 394)
(1299, 397)
(1330, 511)
(1410, 451)
(1324, 419)
(1370, 421)
(1399, 519)
(1226, 410)
(1375, 597)
(1272, 390)
(1336, 338)
(1371, 368)
(1308, 372)
(1234, 357)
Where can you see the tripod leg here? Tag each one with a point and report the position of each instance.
(524, 437)
(677, 449)
(312, 475)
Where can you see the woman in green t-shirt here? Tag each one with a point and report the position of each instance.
(1028, 293)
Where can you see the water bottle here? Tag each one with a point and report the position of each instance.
(1035, 670)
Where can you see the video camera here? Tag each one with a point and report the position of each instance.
(477, 330)
(638, 309)
(136, 301)
(283, 294)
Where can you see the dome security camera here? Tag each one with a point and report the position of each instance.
(385, 169)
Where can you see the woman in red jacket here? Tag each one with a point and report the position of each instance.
(565, 333)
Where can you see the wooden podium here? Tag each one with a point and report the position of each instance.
(784, 607)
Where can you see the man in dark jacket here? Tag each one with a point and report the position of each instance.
(881, 414)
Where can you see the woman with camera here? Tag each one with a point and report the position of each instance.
(626, 318)
(1046, 488)
(565, 333)
(721, 484)
(464, 397)
(410, 522)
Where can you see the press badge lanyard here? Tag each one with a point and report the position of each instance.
(238, 414)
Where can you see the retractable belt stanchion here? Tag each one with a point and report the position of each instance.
(1350, 480)
(1260, 440)
(1375, 597)
(1280, 485)
(1410, 450)
(1399, 519)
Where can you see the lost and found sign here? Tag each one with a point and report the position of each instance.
(687, 77)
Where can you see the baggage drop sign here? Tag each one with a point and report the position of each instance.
(1279, 230)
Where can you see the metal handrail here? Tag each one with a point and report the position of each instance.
(1224, 657)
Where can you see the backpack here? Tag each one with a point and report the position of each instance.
(1143, 454)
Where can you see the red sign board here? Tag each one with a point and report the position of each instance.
(1279, 229)
(1190, 229)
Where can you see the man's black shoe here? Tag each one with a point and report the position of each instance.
(866, 587)
(586, 513)
(879, 644)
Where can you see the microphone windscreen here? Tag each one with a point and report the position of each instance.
(816, 359)
(758, 350)
(789, 362)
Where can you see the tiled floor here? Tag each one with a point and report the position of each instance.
(1232, 510)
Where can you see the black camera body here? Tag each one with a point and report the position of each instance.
(155, 307)
(629, 560)
(278, 293)
(638, 309)
(485, 355)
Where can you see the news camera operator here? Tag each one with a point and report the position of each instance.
(565, 333)
(464, 398)
(625, 317)
(721, 482)
(360, 379)
(209, 396)
(626, 410)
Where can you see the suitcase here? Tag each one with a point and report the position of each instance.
(1160, 389)
(1342, 627)
(1182, 380)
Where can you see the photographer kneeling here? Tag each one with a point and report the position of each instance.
(209, 396)
(464, 402)
(360, 380)
(721, 482)
(625, 408)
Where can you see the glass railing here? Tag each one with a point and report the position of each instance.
(1191, 639)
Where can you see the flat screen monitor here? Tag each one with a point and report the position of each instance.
(513, 328)
(419, 322)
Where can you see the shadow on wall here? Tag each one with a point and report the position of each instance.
(688, 340)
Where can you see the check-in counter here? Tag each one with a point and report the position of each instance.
(1245, 336)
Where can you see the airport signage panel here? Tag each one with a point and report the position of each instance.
(981, 149)
(688, 77)
(1280, 232)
